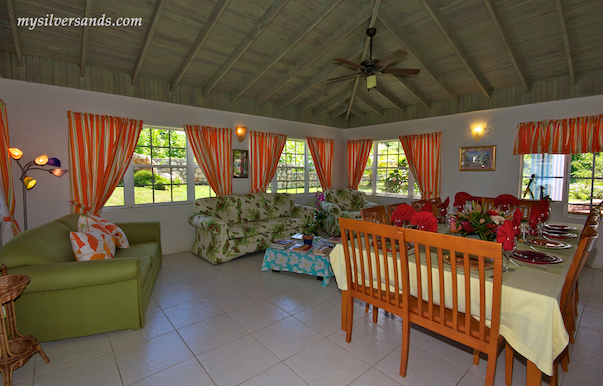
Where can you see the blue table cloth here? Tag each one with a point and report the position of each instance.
(291, 261)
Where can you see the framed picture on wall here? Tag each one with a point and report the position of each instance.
(240, 161)
(476, 158)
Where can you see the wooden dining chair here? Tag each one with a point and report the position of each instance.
(488, 203)
(526, 207)
(465, 285)
(372, 262)
(376, 214)
(565, 304)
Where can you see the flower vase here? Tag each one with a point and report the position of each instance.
(308, 239)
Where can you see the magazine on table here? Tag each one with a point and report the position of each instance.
(282, 244)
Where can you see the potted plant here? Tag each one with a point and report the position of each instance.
(309, 230)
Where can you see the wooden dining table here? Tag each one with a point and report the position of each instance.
(531, 319)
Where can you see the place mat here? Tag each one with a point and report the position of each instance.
(553, 235)
(534, 257)
(473, 262)
(549, 244)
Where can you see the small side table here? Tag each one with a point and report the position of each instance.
(16, 348)
(291, 261)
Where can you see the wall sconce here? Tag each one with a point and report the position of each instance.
(241, 131)
(29, 182)
(478, 131)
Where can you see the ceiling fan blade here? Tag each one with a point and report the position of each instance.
(344, 77)
(348, 63)
(395, 57)
(401, 71)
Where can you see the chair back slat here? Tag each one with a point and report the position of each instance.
(585, 246)
(435, 204)
(467, 268)
(376, 214)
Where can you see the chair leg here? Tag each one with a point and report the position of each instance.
(375, 314)
(405, 346)
(349, 317)
(366, 309)
(564, 359)
(508, 364)
(570, 326)
(475, 357)
(491, 369)
(555, 376)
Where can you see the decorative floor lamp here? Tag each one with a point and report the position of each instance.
(29, 182)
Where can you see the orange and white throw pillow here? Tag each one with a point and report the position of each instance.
(94, 223)
(92, 245)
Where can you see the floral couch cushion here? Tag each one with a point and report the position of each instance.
(343, 203)
(346, 199)
(272, 226)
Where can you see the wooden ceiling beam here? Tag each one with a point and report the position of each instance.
(359, 114)
(333, 103)
(456, 45)
(318, 78)
(85, 30)
(340, 111)
(331, 42)
(375, 107)
(568, 52)
(320, 97)
(367, 41)
(387, 95)
(413, 91)
(13, 26)
(506, 41)
(264, 21)
(311, 22)
(413, 51)
(159, 5)
(207, 29)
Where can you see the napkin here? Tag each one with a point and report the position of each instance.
(425, 221)
(534, 218)
(506, 236)
(545, 211)
(505, 200)
(443, 208)
(461, 198)
(427, 207)
(517, 216)
(403, 213)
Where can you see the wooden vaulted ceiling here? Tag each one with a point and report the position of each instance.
(271, 57)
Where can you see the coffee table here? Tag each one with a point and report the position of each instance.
(290, 261)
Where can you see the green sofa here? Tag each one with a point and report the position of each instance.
(67, 298)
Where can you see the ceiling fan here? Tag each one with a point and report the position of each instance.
(371, 67)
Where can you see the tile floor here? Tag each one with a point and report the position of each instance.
(235, 325)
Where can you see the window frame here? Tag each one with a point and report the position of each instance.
(274, 183)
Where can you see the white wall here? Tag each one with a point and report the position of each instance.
(503, 124)
(37, 120)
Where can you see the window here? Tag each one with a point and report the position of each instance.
(387, 171)
(295, 173)
(548, 171)
(585, 182)
(160, 171)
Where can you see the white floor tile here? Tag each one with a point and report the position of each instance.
(237, 361)
(287, 337)
(152, 306)
(257, 315)
(374, 377)
(211, 333)
(175, 296)
(97, 371)
(586, 366)
(269, 285)
(152, 356)
(155, 324)
(184, 374)
(447, 349)
(234, 298)
(26, 372)
(591, 320)
(589, 340)
(323, 293)
(294, 301)
(277, 375)
(217, 284)
(192, 312)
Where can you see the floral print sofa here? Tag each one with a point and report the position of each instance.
(233, 225)
(344, 203)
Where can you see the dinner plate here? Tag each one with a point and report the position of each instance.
(559, 228)
(536, 257)
(550, 244)
(554, 235)
(473, 262)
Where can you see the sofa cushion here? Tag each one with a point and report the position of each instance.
(92, 245)
(346, 199)
(223, 207)
(150, 248)
(270, 226)
(91, 222)
(282, 204)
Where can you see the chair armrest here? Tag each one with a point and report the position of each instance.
(207, 223)
(330, 208)
(141, 232)
(77, 274)
(368, 204)
(302, 211)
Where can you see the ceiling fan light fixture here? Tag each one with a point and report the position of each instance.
(371, 81)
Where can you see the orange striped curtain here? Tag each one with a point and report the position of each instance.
(357, 154)
(212, 147)
(100, 151)
(423, 156)
(322, 154)
(266, 149)
(560, 136)
(7, 174)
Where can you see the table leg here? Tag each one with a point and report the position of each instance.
(344, 309)
(534, 375)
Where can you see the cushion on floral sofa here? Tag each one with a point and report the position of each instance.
(344, 203)
(230, 226)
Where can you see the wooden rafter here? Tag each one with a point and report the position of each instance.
(413, 91)
(333, 103)
(331, 42)
(568, 52)
(413, 51)
(318, 78)
(13, 26)
(506, 41)
(386, 94)
(159, 5)
(311, 22)
(207, 29)
(85, 30)
(322, 96)
(259, 27)
(1, 64)
(367, 41)
(340, 111)
(456, 45)
(375, 107)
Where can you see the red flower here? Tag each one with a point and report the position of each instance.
(467, 226)
(492, 212)
(425, 221)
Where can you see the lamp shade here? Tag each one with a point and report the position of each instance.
(29, 182)
(477, 131)
(15, 153)
(58, 172)
(241, 130)
(41, 160)
(54, 162)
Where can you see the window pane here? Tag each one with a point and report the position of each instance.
(548, 171)
(202, 188)
(392, 168)
(117, 197)
(291, 171)
(585, 183)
